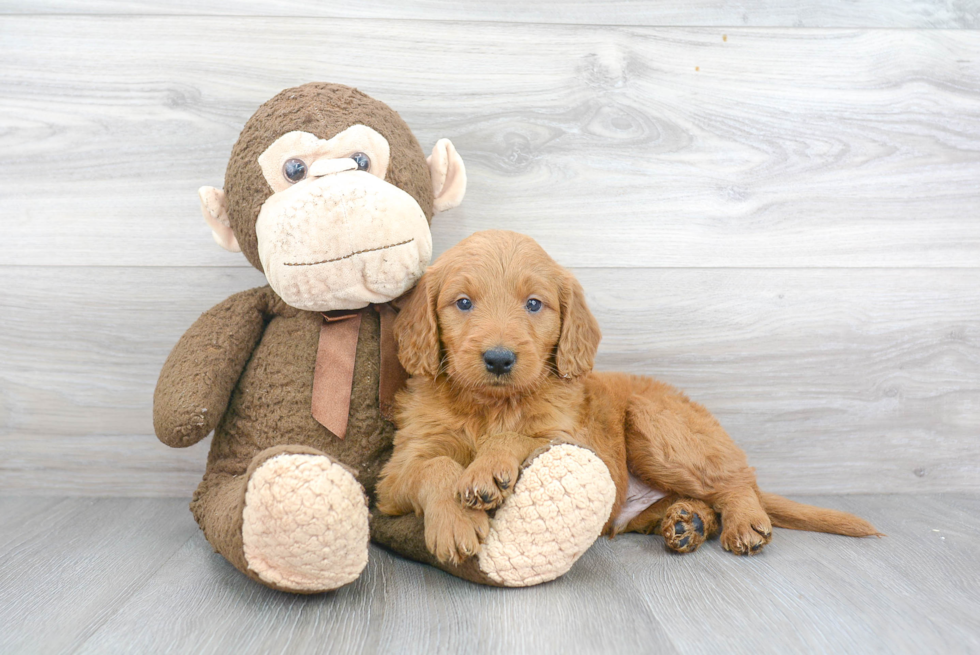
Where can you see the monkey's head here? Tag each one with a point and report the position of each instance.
(329, 194)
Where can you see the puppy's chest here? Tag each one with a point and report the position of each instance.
(492, 421)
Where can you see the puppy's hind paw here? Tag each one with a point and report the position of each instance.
(687, 525)
(742, 536)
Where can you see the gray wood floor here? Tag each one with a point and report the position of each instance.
(89, 575)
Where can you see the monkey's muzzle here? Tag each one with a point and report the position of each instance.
(342, 241)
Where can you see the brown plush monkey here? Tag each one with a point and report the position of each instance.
(330, 195)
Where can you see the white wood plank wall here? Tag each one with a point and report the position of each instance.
(774, 205)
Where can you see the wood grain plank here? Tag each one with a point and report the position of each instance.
(913, 584)
(707, 13)
(944, 525)
(395, 606)
(19, 511)
(911, 592)
(818, 593)
(831, 380)
(878, 384)
(963, 503)
(87, 412)
(635, 147)
(71, 566)
(715, 601)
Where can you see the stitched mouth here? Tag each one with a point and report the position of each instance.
(353, 254)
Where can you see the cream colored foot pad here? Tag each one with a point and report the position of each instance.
(305, 524)
(559, 506)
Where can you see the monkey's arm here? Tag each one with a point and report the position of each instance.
(198, 377)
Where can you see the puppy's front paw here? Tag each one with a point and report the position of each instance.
(454, 533)
(487, 482)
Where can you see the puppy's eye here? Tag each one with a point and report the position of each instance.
(533, 305)
(294, 170)
(464, 304)
(363, 161)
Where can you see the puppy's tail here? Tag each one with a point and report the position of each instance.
(785, 513)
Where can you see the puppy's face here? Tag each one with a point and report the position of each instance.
(497, 315)
(499, 319)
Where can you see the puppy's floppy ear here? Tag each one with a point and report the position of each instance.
(580, 334)
(417, 329)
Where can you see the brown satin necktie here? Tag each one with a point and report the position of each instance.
(333, 375)
(393, 375)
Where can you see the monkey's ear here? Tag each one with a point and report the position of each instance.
(448, 176)
(214, 206)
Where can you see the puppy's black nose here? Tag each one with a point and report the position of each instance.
(499, 360)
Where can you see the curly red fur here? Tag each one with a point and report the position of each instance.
(464, 431)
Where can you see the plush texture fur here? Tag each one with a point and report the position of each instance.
(464, 430)
(324, 110)
(324, 503)
(557, 510)
(245, 368)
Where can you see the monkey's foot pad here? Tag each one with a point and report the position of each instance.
(559, 506)
(305, 524)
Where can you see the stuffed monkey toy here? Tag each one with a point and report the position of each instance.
(328, 193)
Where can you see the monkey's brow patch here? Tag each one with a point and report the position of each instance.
(359, 252)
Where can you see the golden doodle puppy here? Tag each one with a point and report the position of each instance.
(500, 344)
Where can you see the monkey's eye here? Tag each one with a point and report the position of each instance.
(533, 305)
(294, 170)
(363, 161)
(464, 304)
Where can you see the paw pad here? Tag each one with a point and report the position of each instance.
(684, 530)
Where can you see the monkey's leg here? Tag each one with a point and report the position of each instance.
(561, 501)
(296, 521)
